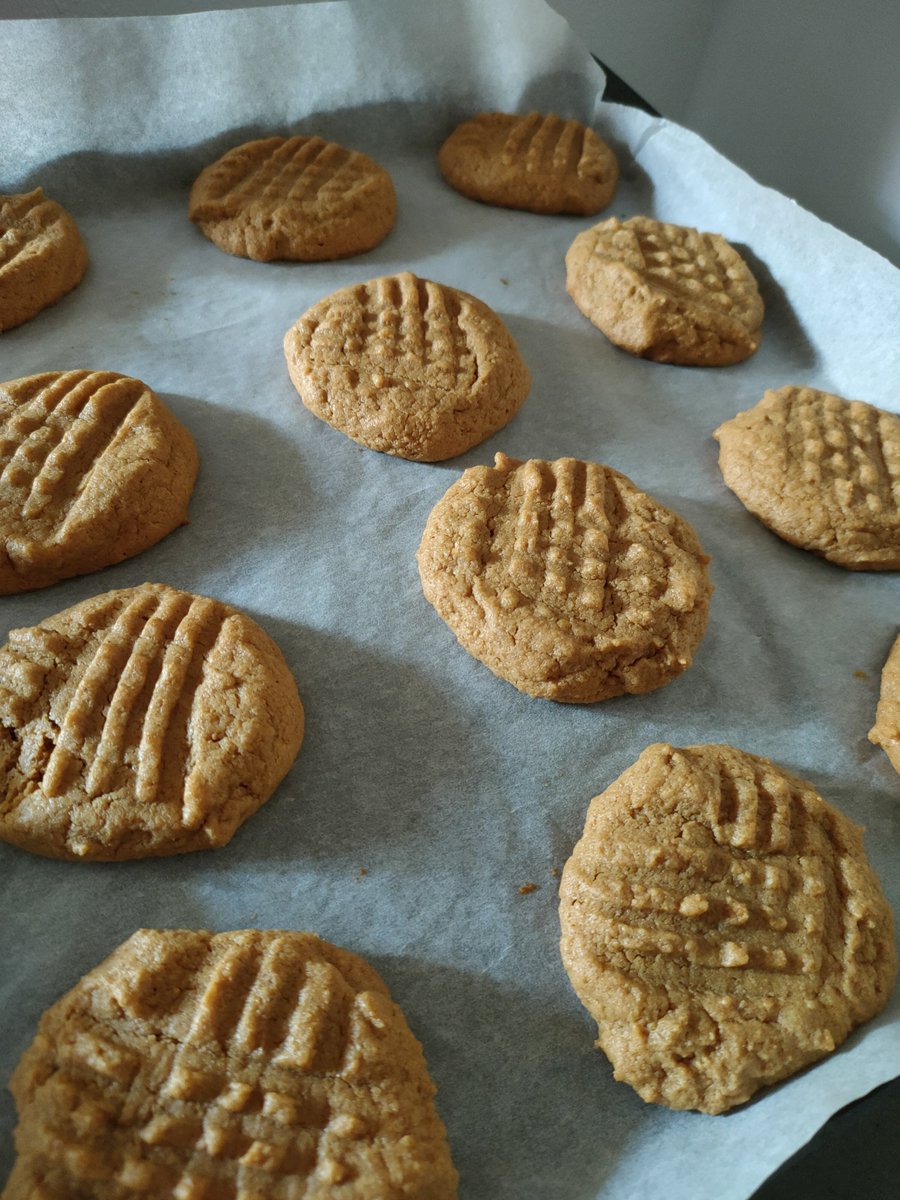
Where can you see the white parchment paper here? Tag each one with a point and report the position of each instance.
(428, 791)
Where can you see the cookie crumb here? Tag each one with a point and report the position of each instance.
(554, 871)
(504, 281)
(860, 674)
(527, 888)
(361, 874)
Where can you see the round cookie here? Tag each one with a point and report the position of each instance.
(254, 1063)
(42, 256)
(540, 163)
(721, 924)
(886, 730)
(407, 366)
(821, 472)
(93, 469)
(301, 199)
(666, 292)
(141, 722)
(565, 579)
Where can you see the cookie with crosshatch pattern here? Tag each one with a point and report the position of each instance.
(565, 579)
(94, 468)
(301, 199)
(666, 292)
(721, 924)
(257, 1064)
(42, 256)
(821, 472)
(540, 163)
(144, 721)
(407, 366)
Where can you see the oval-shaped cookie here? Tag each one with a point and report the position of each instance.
(721, 924)
(300, 198)
(540, 163)
(145, 721)
(565, 579)
(407, 366)
(886, 730)
(42, 256)
(257, 1063)
(821, 472)
(93, 469)
(666, 292)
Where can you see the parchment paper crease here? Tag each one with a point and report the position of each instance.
(444, 785)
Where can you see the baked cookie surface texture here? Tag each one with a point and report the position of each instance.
(721, 924)
(144, 721)
(565, 579)
(821, 472)
(300, 199)
(407, 366)
(259, 1064)
(540, 163)
(93, 469)
(42, 256)
(886, 730)
(666, 292)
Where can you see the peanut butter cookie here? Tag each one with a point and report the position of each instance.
(42, 256)
(721, 924)
(141, 722)
(565, 579)
(407, 366)
(821, 472)
(666, 292)
(259, 1064)
(540, 163)
(886, 730)
(298, 198)
(93, 469)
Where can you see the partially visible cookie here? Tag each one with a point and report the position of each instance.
(540, 163)
(565, 579)
(93, 469)
(299, 198)
(666, 292)
(821, 472)
(886, 730)
(407, 366)
(141, 722)
(721, 924)
(42, 256)
(261, 1064)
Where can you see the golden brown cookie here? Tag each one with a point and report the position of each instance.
(93, 469)
(540, 163)
(42, 256)
(565, 579)
(821, 472)
(666, 292)
(298, 198)
(407, 366)
(721, 924)
(257, 1064)
(141, 722)
(886, 730)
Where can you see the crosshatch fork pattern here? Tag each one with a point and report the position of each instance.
(297, 171)
(227, 1067)
(720, 922)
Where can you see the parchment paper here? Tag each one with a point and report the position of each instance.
(428, 791)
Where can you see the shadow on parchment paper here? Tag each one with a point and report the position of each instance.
(528, 1103)
(383, 755)
(229, 511)
(781, 326)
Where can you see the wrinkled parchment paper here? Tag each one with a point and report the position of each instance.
(428, 792)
